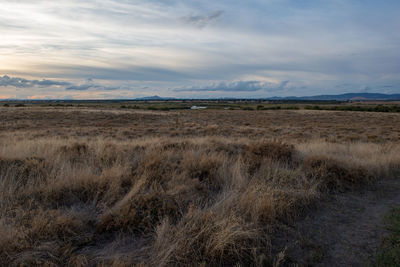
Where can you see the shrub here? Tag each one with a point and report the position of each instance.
(333, 174)
(33, 170)
(75, 150)
(140, 213)
(205, 238)
(273, 150)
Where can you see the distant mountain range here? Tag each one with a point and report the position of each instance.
(340, 97)
(343, 97)
(154, 98)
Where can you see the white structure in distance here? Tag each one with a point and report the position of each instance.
(196, 107)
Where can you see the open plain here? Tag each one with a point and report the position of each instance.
(120, 187)
(199, 133)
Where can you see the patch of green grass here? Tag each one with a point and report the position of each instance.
(389, 254)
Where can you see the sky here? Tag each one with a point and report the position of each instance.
(109, 49)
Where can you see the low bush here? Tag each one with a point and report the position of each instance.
(335, 175)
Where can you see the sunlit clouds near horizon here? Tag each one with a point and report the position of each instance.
(125, 49)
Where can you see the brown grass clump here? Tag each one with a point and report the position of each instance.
(335, 175)
(140, 214)
(23, 170)
(75, 150)
(205, 237)
(264, 152)
(273, 150)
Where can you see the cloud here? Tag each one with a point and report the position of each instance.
(7, 81)
(80, 87)
(24, 83)
(83, 87)
(367, 89)
(237, 86)
(133, 73)
(319, 45)
(343, 85)
(90, 84)
(203, 21)
(283, 85)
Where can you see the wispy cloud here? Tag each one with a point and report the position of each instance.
(236, 86)
(88, 86)
(24, 83)
(202, 21)
(7, 81)
(153, 44)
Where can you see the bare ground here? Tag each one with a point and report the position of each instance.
(345, 230)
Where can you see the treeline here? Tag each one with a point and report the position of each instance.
(378, 108)
(155, 107)
(260, 107)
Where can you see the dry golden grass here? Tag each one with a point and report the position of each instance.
(287, 125)
(160, 200)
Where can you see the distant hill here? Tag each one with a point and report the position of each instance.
(340, 97)
(343, 97)
(154, 98)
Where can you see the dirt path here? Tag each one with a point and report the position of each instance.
(345, 231)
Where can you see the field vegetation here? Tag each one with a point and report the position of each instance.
(111, 187)
(389, 253)
(171, 105)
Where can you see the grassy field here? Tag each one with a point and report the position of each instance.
(85, 186)
(361, 106)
